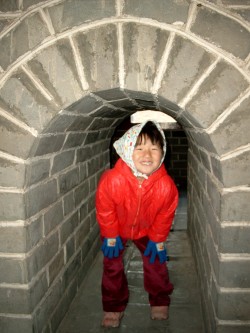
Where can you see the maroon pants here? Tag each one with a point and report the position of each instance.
(115, 293)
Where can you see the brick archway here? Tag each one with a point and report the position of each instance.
(65, 87)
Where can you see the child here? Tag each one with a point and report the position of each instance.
(136, 200)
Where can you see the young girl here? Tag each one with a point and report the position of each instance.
(136, 200)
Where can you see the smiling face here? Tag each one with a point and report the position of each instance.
(147, 156)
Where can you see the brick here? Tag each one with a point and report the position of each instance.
(56, 266)
(42, 255)
(164, 11)
(20, 239)
(80, 123)
(37, 171)
(222, 31)
(235, 239)
(68, 180)
(101, 71)
(85, 105)
(53, 217)
(234, 274)
(82, 192)
(83, 171)
(231, 84)
(12, 271)
(34, 233)
(179, 77)
(112, 94)
(12, 206)
(40, 197)
(92, 137)
(82, 232)
(71, 271)
(49, 144)
(235, 206)
(15, 324)
(74, 140)
(55, 59)
(232, 306)
(26, 103)
(70, 248)
(236, 327)
(68, 227)
(21, 40)
(233, 132)
(14, 140)
(141, 65)
(234, 170)
(68, 203)
(44, 311)
(28, 3)
(62, 161)
(11, 5)
(60, 123)
(14, 300)
(108, 112)
(11, 174)
(63, 306)
(38, 290)
(66, 15)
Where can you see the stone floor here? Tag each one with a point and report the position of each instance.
(85, 313)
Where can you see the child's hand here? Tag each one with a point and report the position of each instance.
(154, 249)
(111, 247)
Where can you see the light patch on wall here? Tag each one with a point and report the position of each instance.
(165, 120)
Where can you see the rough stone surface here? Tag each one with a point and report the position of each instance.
(37, 171)
(27, 103)
(228, 136)
(234, 170)
(66, 15)
(49, 144)
(222, 31)
(42, 255)
(143, 48)
(235, 239)
(48, 65)
(14, 140)
(12, 206)
(179, 77)
(235, 274)
(53, 217)
(11, 173)
(12, 271)
(98, 51)
(40, 197)
(235, 206)
(222, 87)
(62, 161)
(166, 11)
(21, 39)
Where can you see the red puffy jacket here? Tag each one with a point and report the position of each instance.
(130, 210)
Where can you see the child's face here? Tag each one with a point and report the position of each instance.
(147, 156)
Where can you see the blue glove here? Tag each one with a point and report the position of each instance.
(111, 247)
(154, 249)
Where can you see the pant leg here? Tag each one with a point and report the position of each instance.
(156, 279)
(115, 291)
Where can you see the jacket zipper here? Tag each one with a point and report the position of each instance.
(138, 210)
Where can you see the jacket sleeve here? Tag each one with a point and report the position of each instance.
(161, 226)
(105, 207)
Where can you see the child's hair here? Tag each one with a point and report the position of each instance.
(152, 132)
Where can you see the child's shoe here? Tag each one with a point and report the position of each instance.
(112, 319)
(159, 312)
